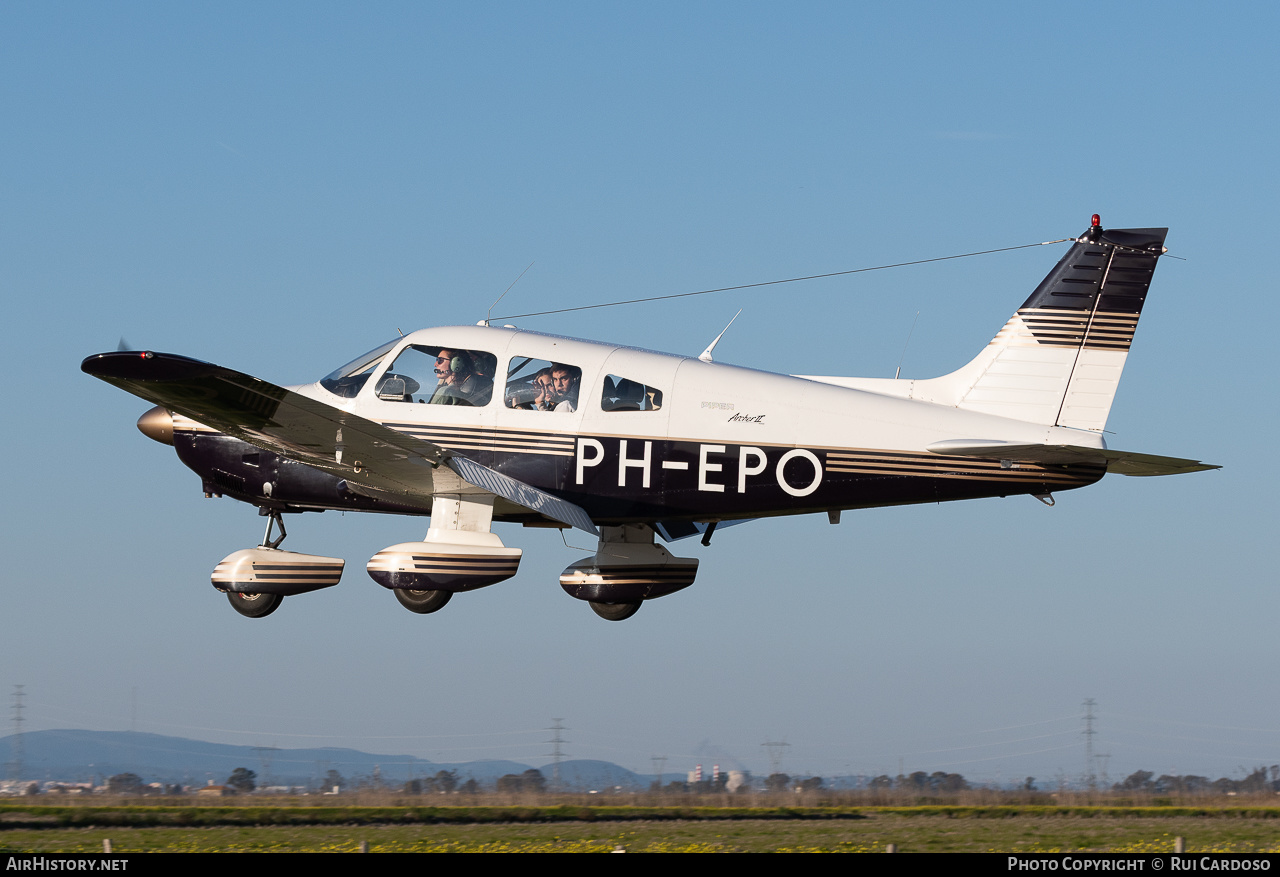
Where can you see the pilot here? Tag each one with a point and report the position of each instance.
(560, 392)
(458, 382)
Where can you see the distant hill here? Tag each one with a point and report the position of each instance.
(81, 756)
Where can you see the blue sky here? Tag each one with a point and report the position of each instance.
(278, 188)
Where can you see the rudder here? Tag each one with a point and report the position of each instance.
(1058, 360)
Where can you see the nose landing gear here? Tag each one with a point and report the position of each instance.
(256, 580)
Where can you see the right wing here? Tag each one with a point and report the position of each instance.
(372, 458)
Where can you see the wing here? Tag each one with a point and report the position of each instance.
(1119, 462)
(372, 458)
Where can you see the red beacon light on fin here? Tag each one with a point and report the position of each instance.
(1096, 221)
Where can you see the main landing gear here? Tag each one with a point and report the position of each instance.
(459, 554)
(627, 569)
(614, 611)
(422, 602)
(254, 605)
(256, 580)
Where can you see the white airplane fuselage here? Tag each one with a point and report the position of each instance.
(727, 442)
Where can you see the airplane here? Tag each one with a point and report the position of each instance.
(473, 425)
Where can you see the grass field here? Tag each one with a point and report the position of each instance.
(922, 831)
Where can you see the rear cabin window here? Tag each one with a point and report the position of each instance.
(624, 394)
(439, 376)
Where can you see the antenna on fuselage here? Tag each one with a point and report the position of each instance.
(489, 312)
(705, 355)
(904, 346)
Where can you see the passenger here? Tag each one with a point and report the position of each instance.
(561, 393)
(540, 386)
(458, 382)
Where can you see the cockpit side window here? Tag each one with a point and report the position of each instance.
(347, 380)
(623, 394)
(540, 385)
(439, 376)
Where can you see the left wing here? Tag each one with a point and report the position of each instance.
(1119, 462)
(373, 459)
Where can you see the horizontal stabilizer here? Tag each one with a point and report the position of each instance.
(1117, 462)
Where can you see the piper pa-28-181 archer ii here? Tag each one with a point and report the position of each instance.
(477, 424)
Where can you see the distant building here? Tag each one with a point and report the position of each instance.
(216, 791)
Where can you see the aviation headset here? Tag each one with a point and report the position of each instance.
(459, 363)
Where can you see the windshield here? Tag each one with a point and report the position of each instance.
(347, 380)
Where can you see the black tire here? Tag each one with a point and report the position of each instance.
(254, 605)
(422, 602)
(615, 611)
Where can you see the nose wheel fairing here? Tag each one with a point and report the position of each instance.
(274, 571)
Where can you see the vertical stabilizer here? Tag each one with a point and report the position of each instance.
(1058, 360)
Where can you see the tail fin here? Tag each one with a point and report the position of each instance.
(1058, 360)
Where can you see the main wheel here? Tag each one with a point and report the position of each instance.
(422, 602)
(254, 605)
(615, 611)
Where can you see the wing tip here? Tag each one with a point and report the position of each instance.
(144, 365)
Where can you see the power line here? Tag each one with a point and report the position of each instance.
(15, 765)
(1090, 774)
(556, 754)
(775, 748)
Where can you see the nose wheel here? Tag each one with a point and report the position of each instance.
(254, 605)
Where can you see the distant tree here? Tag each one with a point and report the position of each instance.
(940, 781)
(510, 783)
(917, 782)
(676, 787)
(1192, 783)
(533, 780)
(32, 789)
(413, 787)
(812, 784)
(777, 782)
(470, 787)
(125, 784)
(1138, 781)
(1029, 785)
(446, 780)
(1223, 786)
(332, 780)
(884, 781)
(243, 780)
(1256, 781)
